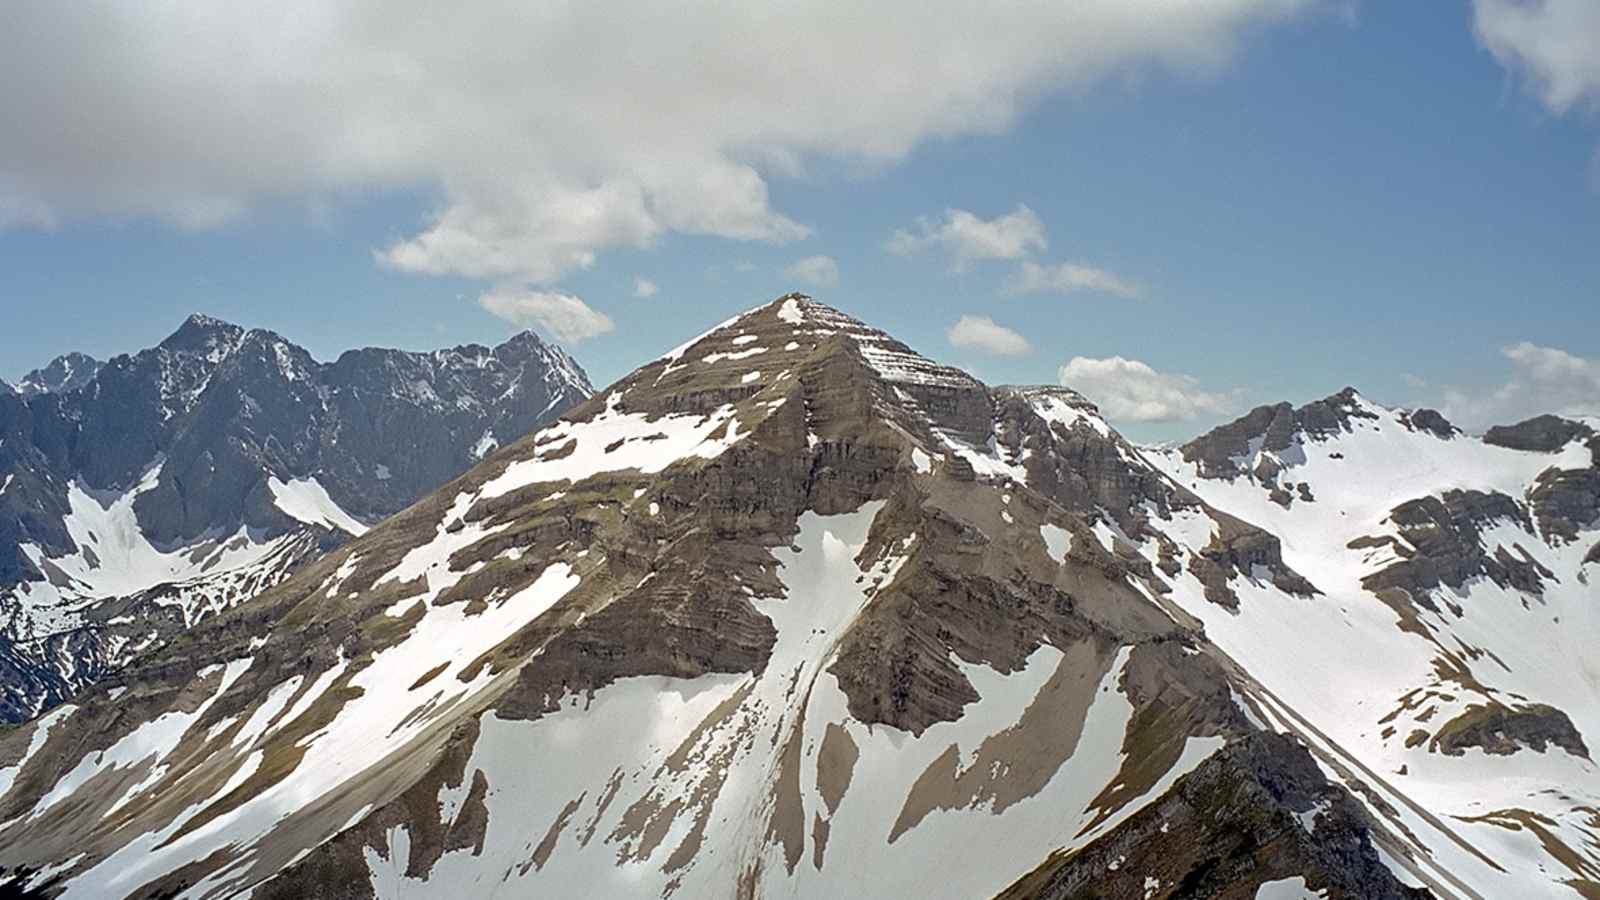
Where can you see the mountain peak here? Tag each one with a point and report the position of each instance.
(67, 372)
(202, 333)
(1274, 428)
(795, 321)
(525, 339)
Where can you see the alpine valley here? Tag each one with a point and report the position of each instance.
(141, 495)
(790, 611)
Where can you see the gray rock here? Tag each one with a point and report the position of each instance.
(1544, 434)
(64, 373)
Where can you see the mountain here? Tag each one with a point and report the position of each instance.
(64, 373)
(794, 611)
(179, 480)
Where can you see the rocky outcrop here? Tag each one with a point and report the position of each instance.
(1565, 502)
(1431, 421)
(809, 583)
(1238, 549)
(1258, 811)
(1544, 434)
(1228, 450)
(1446, 547)
(1502, 730)
(198, 436)
(64, 373)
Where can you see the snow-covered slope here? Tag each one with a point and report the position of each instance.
(791, 611)
(140, 495)
(64, 373)
(1447, 659)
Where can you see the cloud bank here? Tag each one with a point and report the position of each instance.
(966, 238)
(1065, 278)
(562, 316)
(547, 132)
(1554, 44)
(1543, 380)
(984, 334)
(1128, 390)
(819, 271)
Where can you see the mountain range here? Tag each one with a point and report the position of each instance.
(141, 494)
(794, 611)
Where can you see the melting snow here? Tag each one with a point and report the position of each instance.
(614, 441)
(307, 500)
(1057, 541)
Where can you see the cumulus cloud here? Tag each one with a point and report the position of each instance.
(644, 287)
(966, 237)
(1131, 391)
(562, 316)
(819, 271)
(1552, 43)
(548, 132)
(984, 334)
(1543, 380)
(1065, 278)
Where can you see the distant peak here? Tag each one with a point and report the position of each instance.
(527, 338)
(1540, 434)
(202, 321)
(201, 332)
(67, 372)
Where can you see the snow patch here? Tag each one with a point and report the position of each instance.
(307, 500)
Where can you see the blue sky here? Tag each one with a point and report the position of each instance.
(1400, 196)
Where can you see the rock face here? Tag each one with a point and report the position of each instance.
(1257, 813)
(1446, 651)
(787, 603)
(1268, 430)
(1445, 545)
(1431, 421)
(199, 472)
(64, 373)
(1503, 730)
(1542, 434)
(793, 609)
(1566, 502)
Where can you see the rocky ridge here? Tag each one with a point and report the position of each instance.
(789, 601)
(793, 609)
(142, 494)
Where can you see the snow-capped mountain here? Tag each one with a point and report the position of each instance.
(67, 372)
(794, 611)
(174, 482)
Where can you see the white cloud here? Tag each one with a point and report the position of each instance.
(562, 316)
(1543, 380)
(549, 132)
(820, 271)
(644, 287)
(1130, 391)
(1555, 44)
(983, 333)
(966, 238)
(1064, 278)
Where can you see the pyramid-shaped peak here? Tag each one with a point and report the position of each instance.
(799, 322)
(67, 372)
(202, 333)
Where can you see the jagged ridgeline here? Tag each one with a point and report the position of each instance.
(141, 495)
(794, 611)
